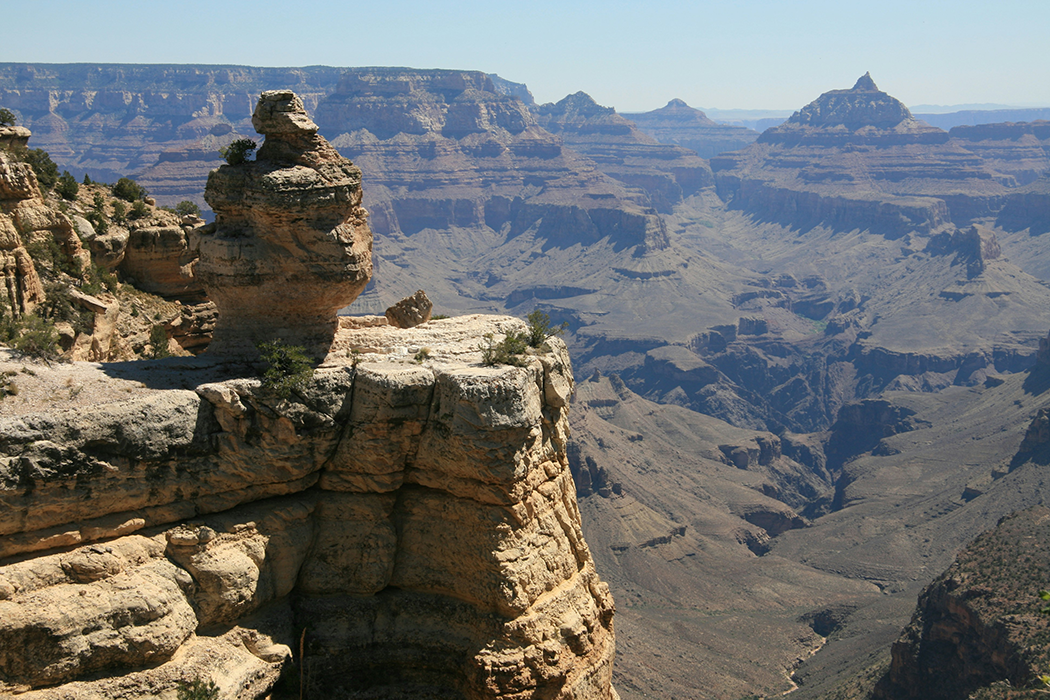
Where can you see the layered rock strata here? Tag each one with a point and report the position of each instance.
(665, 173)
(446, 150)
(418, 521)
(858, 159)
(679, 124)
(291, 244)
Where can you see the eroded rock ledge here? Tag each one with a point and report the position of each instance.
(415, 521)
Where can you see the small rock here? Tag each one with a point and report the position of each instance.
(410, 311)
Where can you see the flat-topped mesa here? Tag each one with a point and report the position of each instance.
(861, 114)
(291, 243)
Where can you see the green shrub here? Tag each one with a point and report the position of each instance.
(508, 351)
(198, 690)
(120, 213)
(129, 190)
(67, 186)
(98, 221)
(187, 208)
(36, 337)
(540, 329)
(7, 117)
(158, 339)
(287, 367)
(238, 152)
(87, 179)
(138, 210)
(422, 356)
(45, 168)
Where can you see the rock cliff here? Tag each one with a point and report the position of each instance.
(665, 173)
(412, 528)
(858, 159)
(445, 149)
(290, 245)
(978, 622)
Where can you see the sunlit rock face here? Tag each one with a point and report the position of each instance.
(291, 243)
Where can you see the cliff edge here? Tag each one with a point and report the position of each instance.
(411, 523)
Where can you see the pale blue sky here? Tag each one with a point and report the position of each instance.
(635, 56)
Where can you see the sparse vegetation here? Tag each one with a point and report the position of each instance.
(32, 336)
(198, 690)
(187, 208)
(540, 329)
(422, 355)
(129, 190)
(287, 367)
(7, 117)
(438, 317)
(508, 351)
(67, 187)
(238, 152)
(120, 213)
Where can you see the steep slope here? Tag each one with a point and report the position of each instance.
(978, 623)
(680, 510)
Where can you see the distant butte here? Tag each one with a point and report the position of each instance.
(681, 125)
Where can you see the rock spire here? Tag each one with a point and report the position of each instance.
(291, 244)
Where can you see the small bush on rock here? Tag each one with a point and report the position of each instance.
(287, 367)
(187, 208)
(238, 152)
(198, 690)
(508, 351)
(7, 117)
(40, 161)
(129, 190)
(540, 329)
(67, 186)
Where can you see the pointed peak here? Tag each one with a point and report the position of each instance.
(676, 103)
(865, 83)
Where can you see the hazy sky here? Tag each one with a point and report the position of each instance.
(634, 56)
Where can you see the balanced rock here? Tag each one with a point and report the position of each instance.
(410, 311)
(291, 244)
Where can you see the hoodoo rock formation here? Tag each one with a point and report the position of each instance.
(291, 244)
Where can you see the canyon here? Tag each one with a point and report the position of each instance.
(806, 363)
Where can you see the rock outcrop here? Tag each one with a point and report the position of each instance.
(1018, 150)
(25, 220)
(979, 621)
(418, 521)
(291, 244)
(858, 159)
(681, 125)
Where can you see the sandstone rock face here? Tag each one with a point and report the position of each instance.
(291, 243)
(979, 621)
(26, 220)
(858, 159)
(158, 259)
(410, 311)
(679, 124)
(418, 520)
